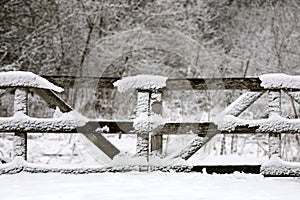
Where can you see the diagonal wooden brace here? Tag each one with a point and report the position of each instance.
(88, 131)
(242, 103)
(235, 109)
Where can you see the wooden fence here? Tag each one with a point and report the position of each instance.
(152, 142)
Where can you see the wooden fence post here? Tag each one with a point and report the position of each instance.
(274, 109)
(156, 108)
(143, 110)
(20, 138)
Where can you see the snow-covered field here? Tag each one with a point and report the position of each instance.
(155, 185)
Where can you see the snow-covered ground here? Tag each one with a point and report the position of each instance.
(155, 185)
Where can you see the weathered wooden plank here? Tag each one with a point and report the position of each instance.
(214, 84)
(53, 99)
(172, 83)
(82, 82)
(156, 144)
(175, 128)
(99, 140)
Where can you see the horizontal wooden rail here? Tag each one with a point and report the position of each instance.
(126, 127)
(172, 83)
(253, 83)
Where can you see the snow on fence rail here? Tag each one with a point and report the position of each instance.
(149, 124)
(261, 83)
(25, 79)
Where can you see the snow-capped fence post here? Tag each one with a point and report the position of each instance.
(149, 110)
(274, 109)
(20, 138)
(143, 113)
(156, 108)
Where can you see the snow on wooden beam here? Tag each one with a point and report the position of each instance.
(192, 148)
(18, 165)
(35, 125)
(20, 137)
(264, 82)
(50, 125)
(276, 167)
(242, 103)
(25, 80)
(171, 83)
(141, 82)
(277, 81)
(275, 124)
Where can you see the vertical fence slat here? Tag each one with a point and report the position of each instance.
(274, 108)
(156, 108)
(143, 110)
(20, 138)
